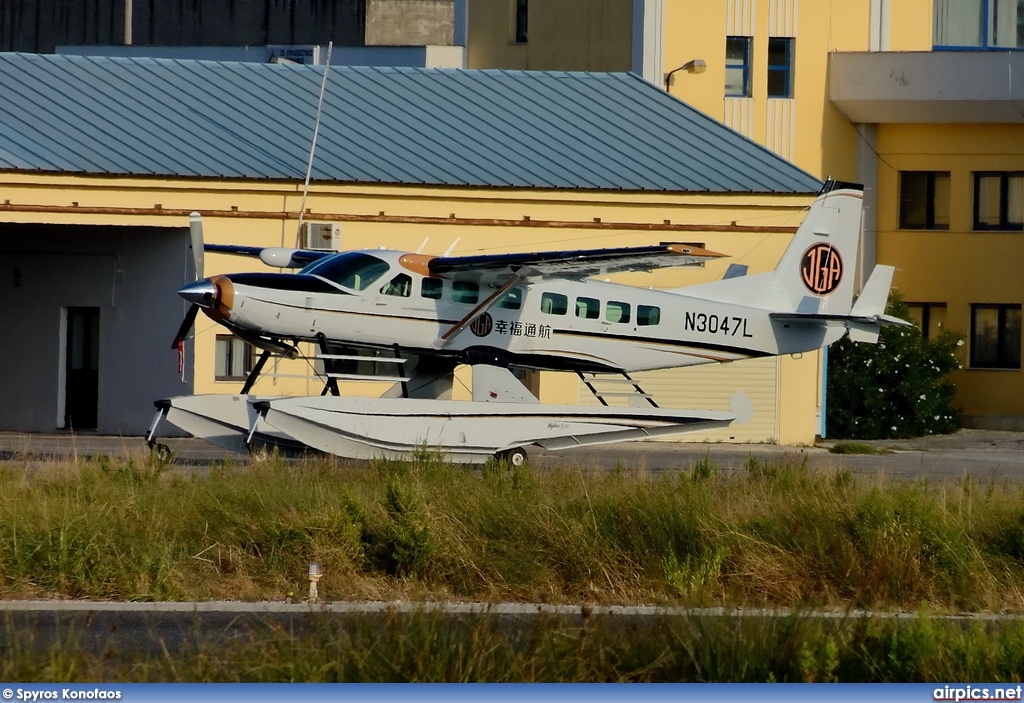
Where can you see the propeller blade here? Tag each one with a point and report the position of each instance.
(186, 325)
(195, 229)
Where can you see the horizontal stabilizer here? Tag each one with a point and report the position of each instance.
(866, 318)
(818, 318)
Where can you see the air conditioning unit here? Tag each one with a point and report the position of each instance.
(323, 236)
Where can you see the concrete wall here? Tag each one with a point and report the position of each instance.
(957, 266)
(567, 35)
(410, 22)
(131, 275)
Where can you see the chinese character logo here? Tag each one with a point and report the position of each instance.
(821, 269)
(482, 325)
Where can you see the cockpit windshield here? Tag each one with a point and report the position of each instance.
(350, 270)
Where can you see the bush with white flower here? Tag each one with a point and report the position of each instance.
(914, 396)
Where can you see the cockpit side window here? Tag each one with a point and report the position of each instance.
(400, 285)
(350, 270)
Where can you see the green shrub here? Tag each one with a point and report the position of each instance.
(894, 389)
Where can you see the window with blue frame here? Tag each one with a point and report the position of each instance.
(978, 24)
(780, 67)
(737, 67)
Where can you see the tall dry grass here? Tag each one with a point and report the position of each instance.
(774, 534)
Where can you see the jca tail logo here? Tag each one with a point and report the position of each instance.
(821, 269)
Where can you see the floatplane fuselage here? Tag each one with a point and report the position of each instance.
(547, 311)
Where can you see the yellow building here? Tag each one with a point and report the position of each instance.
(913, 98)
(107, 158)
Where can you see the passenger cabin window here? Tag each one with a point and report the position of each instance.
(616, 311)
(465, 292)
(647, 315)
(513, 300)
(554, 304)
(400, 285)
(431, 288)
(350, 270)
(588, 308)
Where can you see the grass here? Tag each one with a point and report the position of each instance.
(773, 535)
(855, 448)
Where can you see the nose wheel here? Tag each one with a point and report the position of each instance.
(513, 457)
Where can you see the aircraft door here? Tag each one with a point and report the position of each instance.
(81, 387)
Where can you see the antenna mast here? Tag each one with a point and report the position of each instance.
(312, 146)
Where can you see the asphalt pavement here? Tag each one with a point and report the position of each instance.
(984, 454)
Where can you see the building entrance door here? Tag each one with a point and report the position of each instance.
(81, 386)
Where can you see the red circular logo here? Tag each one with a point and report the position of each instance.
(482, 325)
(821, 269)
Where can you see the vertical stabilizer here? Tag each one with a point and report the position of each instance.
(817, 272)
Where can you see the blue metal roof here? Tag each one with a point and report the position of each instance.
(162, 117)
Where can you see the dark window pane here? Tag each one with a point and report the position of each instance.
(736, 49)
(513, 300)
(780, 67)
(940, 201)
(648, 315)
(924, 200)
(554, 304)
(465, 292)
(913, 199)
(587, 308)
(431, 288)
(995, 336)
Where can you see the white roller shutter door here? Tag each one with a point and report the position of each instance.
(710, 387)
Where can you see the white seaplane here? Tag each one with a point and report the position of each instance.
(515, 311)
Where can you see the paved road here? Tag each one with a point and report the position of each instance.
(984, 454)
(158, 628)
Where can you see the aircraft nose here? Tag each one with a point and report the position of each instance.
(202, 293)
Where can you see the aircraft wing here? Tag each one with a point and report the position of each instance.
(272, 256)
(574, 264)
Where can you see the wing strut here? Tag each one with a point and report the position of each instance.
(257, 369)
(487, 303)
(329, 366)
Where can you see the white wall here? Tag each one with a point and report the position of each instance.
(131, 275)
